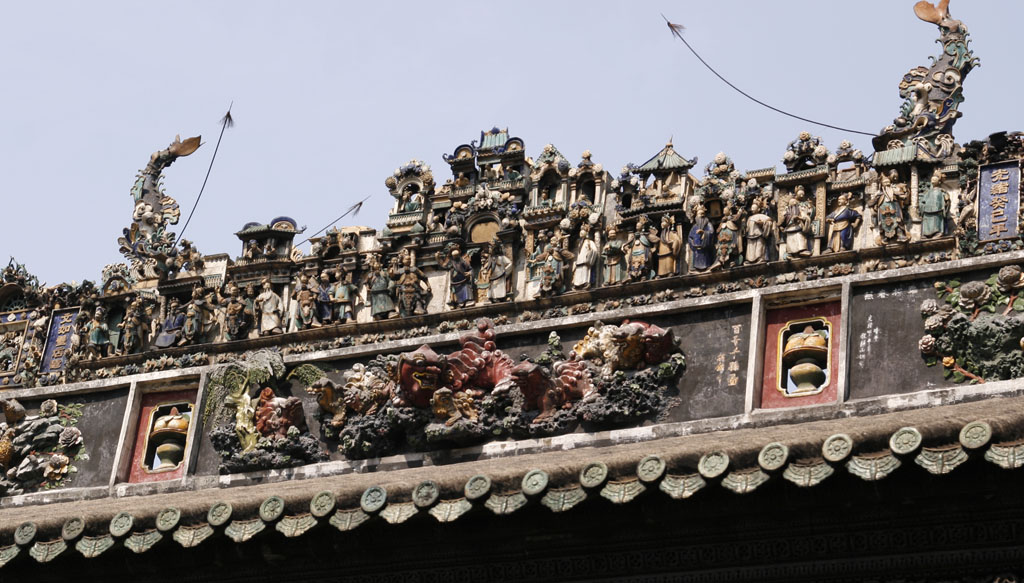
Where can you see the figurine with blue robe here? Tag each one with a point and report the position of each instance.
(701, 241)
(842, 222)
(172, 326)
(98, 336)
(323, 298)
(461, 272)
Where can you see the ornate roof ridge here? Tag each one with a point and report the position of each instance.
(872, 448)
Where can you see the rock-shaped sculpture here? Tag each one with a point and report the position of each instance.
(37, 451)
(974, 330)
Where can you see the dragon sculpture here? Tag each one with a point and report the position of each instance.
(932, 95)
(147, 244)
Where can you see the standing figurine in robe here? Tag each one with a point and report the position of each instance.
(614, 255)
(344, 294)
(639, 258)
(796, 224)
(842, 222)
(379, 287)
(934, 207)
(729, 242)
(270, 308)
(760, 230)
(495, 277)
(98, 334)
(461, 273)
(888, 210)
(325, 313)
(586, 259)
(670, 243)
(701, 241)
(412, 287)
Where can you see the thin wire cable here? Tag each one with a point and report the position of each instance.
(675, 28)
(354, 208)
(226, 122)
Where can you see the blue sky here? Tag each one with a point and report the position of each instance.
(330, 97)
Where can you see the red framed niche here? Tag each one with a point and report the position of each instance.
(777, 390)
(152, 406)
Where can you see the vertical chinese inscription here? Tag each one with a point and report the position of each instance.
(999, 201)
(727, 363)
(59, 340)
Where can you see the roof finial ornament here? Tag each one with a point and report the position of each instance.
(932, 94)
(929, 12)
(146, 243)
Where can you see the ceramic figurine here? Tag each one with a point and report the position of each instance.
(586, 258)
(270, 308)
(411, 287)
(461, 277)
(379, 286)
(344, 295)
(842, 223)
(668, 247)
(135, 330)
(758, 233)
(98, 335)
(729, 240)
(887, 205)
(494, 281)
(701, 241)
(796, 224)
(237, 320)
(614, 257)
(933, 205)
(171, 328)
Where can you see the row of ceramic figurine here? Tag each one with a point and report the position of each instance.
(555, 265)
(209, 316)
(741, 236)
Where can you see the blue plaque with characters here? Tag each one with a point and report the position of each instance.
(999, 201)
(59, 339)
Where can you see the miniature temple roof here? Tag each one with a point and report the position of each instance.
(494, 138)
(666, 160)
(280, 225)
(896, 157)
